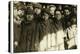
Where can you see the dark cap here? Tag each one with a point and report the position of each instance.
(29, 11)
(67, 7)
(28, 5)
(52, 6)
(37, 6)
(45, 11)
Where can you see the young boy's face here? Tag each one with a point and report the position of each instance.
(37, 10)
(67, 12)
(52, 9)
(45, 16)
(58, 15)
(29, 17)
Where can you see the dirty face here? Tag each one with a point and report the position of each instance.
(58, 15)
(45, 16)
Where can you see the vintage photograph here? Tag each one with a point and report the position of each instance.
(44, 26)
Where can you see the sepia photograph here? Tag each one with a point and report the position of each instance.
(44, 26)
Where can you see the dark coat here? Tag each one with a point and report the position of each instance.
(43, 28)
(67, 20)
(59, 24)
(53, 24)
(26, 42)
(17, 30)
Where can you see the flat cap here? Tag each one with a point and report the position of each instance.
(52, 6)
(45, 11)
(37, 5)
(28, 5)
(29, 11)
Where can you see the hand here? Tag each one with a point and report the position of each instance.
(15, 43)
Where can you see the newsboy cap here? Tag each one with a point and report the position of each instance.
(45, 11)
(37, 5)
(29, 11)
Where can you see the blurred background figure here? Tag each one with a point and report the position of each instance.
(37, 11)
(29, 6)
(74, 10)
(37, 17)
(26, 42)
(67, 19)
(70, 18)
(72, 32)
(37, 8)
(18, 11)
(17, 18)
(52, 9)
